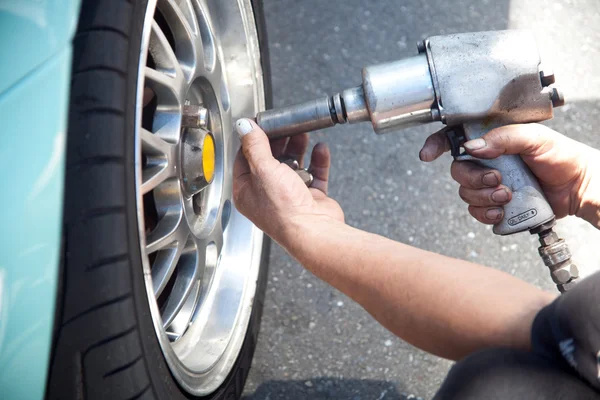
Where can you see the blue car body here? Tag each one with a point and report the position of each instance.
(35, 53)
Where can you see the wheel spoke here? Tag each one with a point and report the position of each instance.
(186, 280)
(183, 24)
(187, 11)
(208, 267)
(168, 230)
(154, 176)
(154, 145)
(168, 89)
(159, 160)
(164, 264)
(183, 317)
(216, 237)
(180, 13)
(162, 53)
(215, 76)
(207, 57)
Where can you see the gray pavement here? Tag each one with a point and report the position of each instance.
(315, 342)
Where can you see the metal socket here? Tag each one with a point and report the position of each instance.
(293, 120)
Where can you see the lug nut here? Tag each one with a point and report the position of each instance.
(557, 97)
(290, 162)
(306, 176)
(194, 116)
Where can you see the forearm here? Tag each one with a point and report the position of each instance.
(442, 305)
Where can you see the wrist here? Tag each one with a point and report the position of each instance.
(301, 233)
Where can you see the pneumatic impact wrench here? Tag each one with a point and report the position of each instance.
(471, 82)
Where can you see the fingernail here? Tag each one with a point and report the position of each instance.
(425, 154)
(243, 127)
(490, 179)
(475, 144)
(500, 196)
(494, 214)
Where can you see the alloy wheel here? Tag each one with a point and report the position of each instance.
(199, 71)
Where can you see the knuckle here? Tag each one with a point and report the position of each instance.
(499, 139)
(459, 171)
(475, 178)
(475, 213)
(262, 170)
(467, 174)
(252, 148)
(454, 169)
(463, 194)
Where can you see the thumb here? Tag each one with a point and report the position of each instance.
(255, 144)
(525, 140)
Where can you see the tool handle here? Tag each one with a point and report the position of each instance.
(528, 207)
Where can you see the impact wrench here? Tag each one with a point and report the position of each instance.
(472, 83)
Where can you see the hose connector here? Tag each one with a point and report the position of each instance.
(557, 257)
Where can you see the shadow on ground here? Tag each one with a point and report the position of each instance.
(329, 388)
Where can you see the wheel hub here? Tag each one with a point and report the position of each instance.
(197, 160)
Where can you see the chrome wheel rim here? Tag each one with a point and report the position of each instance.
(201, 258)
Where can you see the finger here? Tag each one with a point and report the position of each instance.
(255, 146)
(240, 165)
(474, 176)
(489, 197)
(278, 147)
(487, 215)
(435, 145)
(296, 148)
(320, 162)
(526, 140)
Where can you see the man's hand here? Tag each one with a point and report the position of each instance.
(563, 167)
(270, 193)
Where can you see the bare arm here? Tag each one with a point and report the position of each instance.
(442, 305)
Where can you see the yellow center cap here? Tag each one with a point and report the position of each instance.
(208, 157)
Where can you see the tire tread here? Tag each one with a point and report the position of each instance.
(97, 277)
(97, 307)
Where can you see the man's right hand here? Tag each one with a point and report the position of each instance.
(563, 167)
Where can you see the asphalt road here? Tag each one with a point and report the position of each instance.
(316, 343)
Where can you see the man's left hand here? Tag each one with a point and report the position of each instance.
(271, 194)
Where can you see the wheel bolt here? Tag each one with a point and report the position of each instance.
(194, 116)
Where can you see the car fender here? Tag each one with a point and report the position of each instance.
(35, 49)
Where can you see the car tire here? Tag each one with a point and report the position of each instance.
(104, 344)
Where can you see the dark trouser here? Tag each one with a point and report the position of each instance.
(509, 374)
(564, 362)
